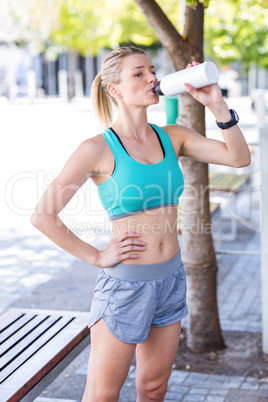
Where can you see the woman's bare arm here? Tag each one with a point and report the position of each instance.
(233, 151)
(79, 167)
(74, 174)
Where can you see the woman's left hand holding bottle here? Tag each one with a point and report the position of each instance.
(209, 95)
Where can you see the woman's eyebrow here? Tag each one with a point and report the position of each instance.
(141, 67)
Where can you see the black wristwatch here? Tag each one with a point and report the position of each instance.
(234, 120)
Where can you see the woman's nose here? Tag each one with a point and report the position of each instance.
(152, 78)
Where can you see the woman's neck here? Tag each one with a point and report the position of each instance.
(132, 123)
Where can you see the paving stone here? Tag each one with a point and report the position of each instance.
(233, 382)
(173, 396)
(179, 389)
(195, 378)
(254, 326)
(194, 398)
(214, 398)
(240, 395)
(174, 400)
(128, 392)
(218, 392)
(179, 376)
(82, 370)
(215, 379)
(132, 372)
(39, 399)
(250, 383)
(239, 326)
(199, 390)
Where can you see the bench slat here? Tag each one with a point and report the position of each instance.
(47, 357)
(18, 335)
(9, 317)
(41, 329)
(17, 325)
(219, 181)
(29, 346)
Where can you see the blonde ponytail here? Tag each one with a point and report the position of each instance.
(101, 102)
(110, 74)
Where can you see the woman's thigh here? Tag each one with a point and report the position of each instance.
(109, 363)
(156, 356)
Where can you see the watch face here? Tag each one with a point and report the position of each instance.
(234, 115)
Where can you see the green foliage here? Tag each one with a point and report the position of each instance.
(89, 25)
(132, 26)
(194, 3)
(237, 31)
(82, 26)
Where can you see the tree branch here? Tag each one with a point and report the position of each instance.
(194, 17)
(165, 30)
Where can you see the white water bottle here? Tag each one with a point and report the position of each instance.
(198, 76)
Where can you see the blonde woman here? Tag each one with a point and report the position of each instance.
(140, 294)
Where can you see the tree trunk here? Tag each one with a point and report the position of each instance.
(203, 328)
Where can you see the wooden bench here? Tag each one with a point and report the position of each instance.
(227, 182)
(228, 185)
(36, 346)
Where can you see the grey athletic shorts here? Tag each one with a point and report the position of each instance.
(133, 298)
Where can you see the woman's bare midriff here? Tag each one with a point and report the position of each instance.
(158, 228)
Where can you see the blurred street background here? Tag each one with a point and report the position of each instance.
(50, 52)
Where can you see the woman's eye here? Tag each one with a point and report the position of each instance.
(140, 74)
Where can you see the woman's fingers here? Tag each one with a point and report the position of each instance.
(129, 243)
(189, 88)
(131, 247)
(126, 240)
(126, 235)
(194, 63)
(123, 247)
(126, 256)
(134, 242)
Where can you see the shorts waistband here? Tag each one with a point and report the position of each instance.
(144, 272)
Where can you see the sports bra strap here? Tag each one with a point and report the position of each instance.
(117, 147)
(114, 144)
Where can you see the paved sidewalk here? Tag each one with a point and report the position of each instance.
(36, 273)
(195, 387)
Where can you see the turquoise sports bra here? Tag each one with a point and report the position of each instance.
(135, 187)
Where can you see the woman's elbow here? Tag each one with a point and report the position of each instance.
(36, 220)
(39, 221)
(243, 162)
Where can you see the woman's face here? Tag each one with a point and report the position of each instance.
(137, 80)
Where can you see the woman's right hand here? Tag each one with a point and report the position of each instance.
(119, 249)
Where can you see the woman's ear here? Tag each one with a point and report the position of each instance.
(114, 91)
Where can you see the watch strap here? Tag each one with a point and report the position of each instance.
(234, 120)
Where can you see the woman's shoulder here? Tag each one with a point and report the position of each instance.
(176, 133)
(174, 129)
(94, 145)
